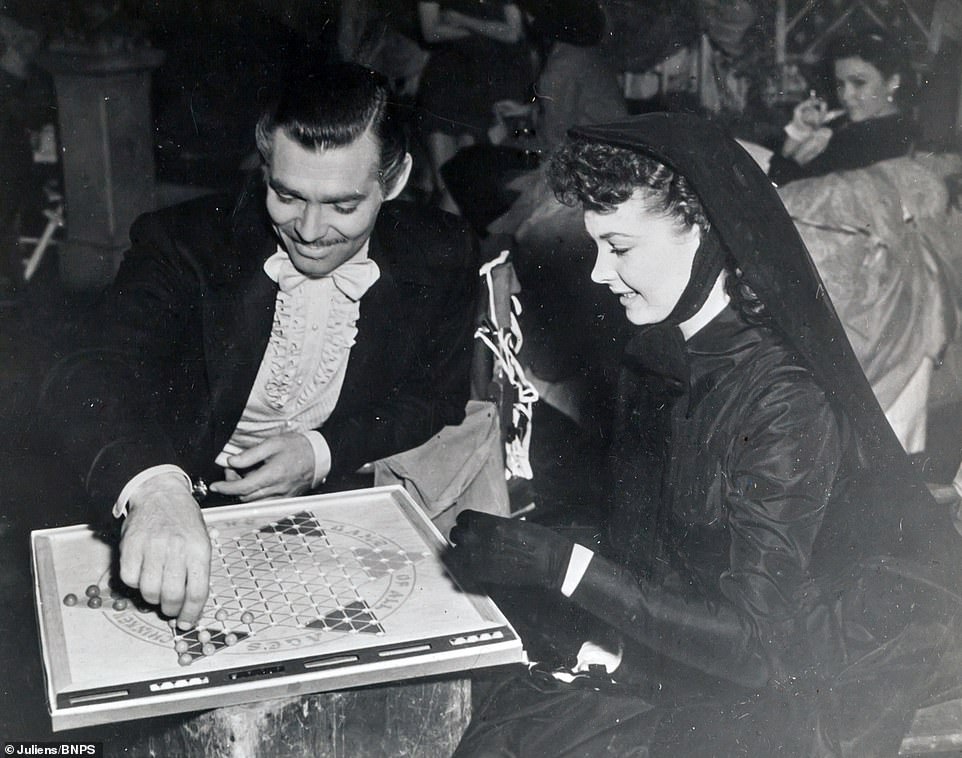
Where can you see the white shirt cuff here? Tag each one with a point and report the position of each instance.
(577, 565)
(120, 507)
(322, 456)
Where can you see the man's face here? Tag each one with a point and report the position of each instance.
(323, 203)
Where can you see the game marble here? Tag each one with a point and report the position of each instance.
(307, 594)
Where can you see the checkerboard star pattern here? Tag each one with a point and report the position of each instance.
(289, 575)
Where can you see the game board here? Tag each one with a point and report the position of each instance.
(306, 594)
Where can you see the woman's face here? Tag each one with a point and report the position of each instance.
(644, 258)
(863, 90)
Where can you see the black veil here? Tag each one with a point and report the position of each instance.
(885, 508)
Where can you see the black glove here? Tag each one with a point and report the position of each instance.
(499, 550)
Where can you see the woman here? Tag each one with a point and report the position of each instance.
(479, 56)
(873, 80)
(575, 85)
(775, 580)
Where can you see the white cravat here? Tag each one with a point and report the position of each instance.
(353, 277)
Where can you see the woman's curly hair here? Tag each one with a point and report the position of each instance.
(601, 176)
(743, 297)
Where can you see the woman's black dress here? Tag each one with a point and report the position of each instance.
(464, 78)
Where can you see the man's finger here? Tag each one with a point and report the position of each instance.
(261, 482)
(261, 493)
(172, 588)
(198, 584)
(131, 560)
(252, 456)
(151, 577)
(246, 489)
(257, 479)
(234, 488)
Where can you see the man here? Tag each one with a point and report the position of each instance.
(272, 344)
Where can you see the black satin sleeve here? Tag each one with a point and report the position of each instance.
(755, 622)
(853, 145)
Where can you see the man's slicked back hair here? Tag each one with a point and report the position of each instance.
(332, 106)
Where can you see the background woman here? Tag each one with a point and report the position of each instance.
(873, 81)
(478, 57)
(774, 579)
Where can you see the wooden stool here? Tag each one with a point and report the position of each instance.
(415, 718)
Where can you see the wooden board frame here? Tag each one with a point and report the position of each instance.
(487, 639)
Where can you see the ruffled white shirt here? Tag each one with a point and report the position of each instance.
(302, 371)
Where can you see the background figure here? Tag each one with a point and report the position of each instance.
(502, 192)
(384, 34)
(575, 85)
(873, 84)
(848, 169)
(25, 106)
(567, 328)
(939, 101)
(479, 55)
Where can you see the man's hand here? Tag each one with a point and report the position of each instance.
(282, 466)
(165, 550)
(506, 551)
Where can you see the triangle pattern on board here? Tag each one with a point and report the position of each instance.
(352, 617)
(303, 523)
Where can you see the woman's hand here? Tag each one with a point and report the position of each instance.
(500, 550)
(814, 146)
(809, 115)
(806, 134)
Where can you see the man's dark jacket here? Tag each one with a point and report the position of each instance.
(178, 339)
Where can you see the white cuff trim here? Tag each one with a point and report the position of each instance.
(577, 565)
(322, 456)
(798, 133)
(594, 654)
(120, 507)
